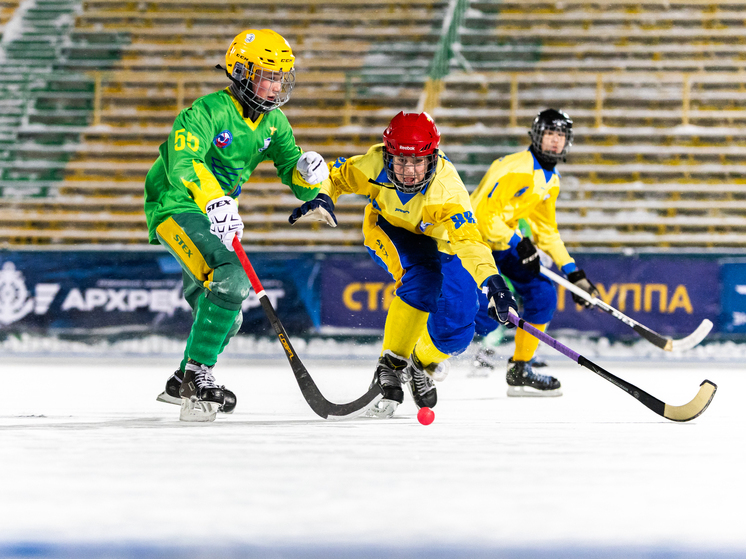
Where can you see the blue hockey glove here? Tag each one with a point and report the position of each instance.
(320, 208)
(500, 298)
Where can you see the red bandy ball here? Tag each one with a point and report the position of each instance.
(425, 416)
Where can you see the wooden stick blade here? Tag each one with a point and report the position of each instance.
(694, 408)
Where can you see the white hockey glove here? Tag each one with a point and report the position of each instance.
(225, 223)
(312, 167)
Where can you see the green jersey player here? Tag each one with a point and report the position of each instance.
(191, 206)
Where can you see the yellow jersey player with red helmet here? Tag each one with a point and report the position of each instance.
(191, 205)
(418, 226)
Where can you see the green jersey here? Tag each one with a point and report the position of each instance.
(211, 151)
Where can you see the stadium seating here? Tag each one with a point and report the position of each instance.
(90, 132)
(656, 94)
(655, 90)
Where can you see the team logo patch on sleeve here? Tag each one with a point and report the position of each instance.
(423, 225)
(267, 141)
(224, 139)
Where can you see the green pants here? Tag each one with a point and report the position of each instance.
(215, 284)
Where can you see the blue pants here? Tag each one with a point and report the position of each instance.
(537, 293)
(427, 280)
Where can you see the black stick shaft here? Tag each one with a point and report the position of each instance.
(316, 401)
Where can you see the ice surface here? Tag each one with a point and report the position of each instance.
(92, 466)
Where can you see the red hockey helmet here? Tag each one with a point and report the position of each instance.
(410, 151)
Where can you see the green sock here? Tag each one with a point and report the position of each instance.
(209, 332)
(235, 327)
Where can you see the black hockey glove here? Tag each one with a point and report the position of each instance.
(528, 255)
(500, 298)
(578, 278)
(320, 208)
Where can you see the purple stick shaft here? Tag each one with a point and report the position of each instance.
(546, 338)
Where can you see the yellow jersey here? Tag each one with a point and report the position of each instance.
(515, 187)
(442, 210)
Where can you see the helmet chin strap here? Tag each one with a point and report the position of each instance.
(248, 112)
(547, 162)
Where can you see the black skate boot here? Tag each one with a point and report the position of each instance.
(200, 396)
(421, 384)
(229, 404)
(538, 363)
(388, 376)
(523, 381)
(171, 394)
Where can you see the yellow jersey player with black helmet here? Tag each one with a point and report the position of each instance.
(525, 185)
(418, 226)
(191, 205)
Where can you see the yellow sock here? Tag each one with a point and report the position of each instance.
(404, 325)
(526, 344)
(427, 353)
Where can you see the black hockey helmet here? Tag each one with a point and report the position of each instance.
(551, 119)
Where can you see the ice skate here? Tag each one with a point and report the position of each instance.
(421, 384)
(388, 376)
(538, 363)
(523, 381)
(439, 373)
(171, 394)
(484, 362)
(200, 396)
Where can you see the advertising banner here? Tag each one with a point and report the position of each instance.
(118, 292)
(355, 293)
(671, 295)
(733, 300)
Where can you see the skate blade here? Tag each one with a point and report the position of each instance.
(383, 409)
(195, 411)
(441, 371)
(164, 397)
(529, 392)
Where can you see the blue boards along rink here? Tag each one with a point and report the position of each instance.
(93, 466)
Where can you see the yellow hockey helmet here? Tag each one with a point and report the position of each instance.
(260, 63)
